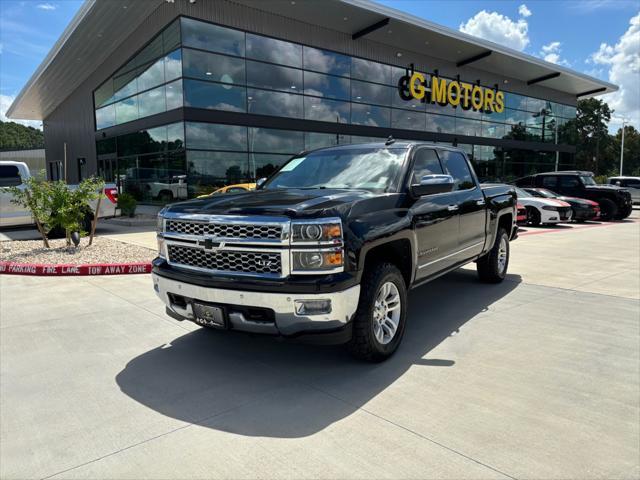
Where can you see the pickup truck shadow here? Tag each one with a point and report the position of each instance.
(279, 389)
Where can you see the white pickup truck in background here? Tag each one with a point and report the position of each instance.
(12, 215)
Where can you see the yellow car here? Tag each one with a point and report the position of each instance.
(238, 187)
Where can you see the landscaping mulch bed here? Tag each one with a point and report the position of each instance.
(103, 251)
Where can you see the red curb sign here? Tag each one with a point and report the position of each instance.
(10, 268)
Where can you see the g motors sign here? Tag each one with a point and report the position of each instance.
(445, 91)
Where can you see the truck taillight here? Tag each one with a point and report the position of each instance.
(112, 195)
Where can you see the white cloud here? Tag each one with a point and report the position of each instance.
(46, 6)
(623, 62)
(5, 103)
(551, 53)
(498, 28)
(524, 11)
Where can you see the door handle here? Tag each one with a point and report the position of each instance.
(480, 202)
(452, 208)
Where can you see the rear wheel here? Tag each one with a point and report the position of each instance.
(492, 268)
(379, 322)
(608, 209)
(165, 196)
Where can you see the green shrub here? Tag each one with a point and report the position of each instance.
(56, 206)
(127, 204)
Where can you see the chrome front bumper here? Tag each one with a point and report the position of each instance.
(287, 321)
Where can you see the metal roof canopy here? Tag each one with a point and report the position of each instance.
(100, 26)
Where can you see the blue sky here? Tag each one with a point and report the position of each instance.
(591, 36)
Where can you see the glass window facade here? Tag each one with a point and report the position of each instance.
(196, 64)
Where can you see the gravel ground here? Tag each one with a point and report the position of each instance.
(103, 250)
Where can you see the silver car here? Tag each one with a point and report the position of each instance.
(630, 183)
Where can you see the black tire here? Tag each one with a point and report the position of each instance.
(624, 213)
(363, 344)
(86, 223)
(533, 216)
(165, 196)
(56, 233)
(608, 209)
(490, 268)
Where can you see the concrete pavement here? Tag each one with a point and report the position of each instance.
(538, 377)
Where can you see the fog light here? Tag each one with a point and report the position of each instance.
(312, 307)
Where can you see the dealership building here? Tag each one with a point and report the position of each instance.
(175, 98)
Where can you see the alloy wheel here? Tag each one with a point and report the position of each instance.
(386, 313)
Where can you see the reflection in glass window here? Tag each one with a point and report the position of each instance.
(213, 67)
(370, 115)
(214, 96)
(125, 85)
(173, 65)
(440, 123)
(493, 130)
(175, 136)
(515, 117)
(151, 76)
(208, 171)
(212, 37)
(279, 104)
(319, 140)
(171, 36)
(275, 51)
(151, 102)
(465, 126)
(127, 110)
(515, 101)
(214, 136)
(408, 120)
(370, 71)
(326, 86)
(174, 95)
(537, 104)
(398, 102)
(150, 52)
(326, 62)
(262, 75)
(104, 94)
(105, 117)
(264, 164)
(269, 140)
(326, 110)
(371, 93)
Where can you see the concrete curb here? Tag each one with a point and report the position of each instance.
(53, 270)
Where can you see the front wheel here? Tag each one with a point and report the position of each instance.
(492, 268)
(379, 322)
(533, 216)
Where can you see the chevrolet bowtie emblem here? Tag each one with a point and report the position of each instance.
(209, 244)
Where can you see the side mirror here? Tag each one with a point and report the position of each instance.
(259, 182)
(432, 184)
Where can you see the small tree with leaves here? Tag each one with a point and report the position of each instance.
(56, 206)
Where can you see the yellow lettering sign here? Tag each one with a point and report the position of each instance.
(416, 86)
(438, 90)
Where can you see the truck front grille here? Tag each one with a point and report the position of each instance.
(225, 230)
(264, 263)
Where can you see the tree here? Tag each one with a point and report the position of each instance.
(14, 136)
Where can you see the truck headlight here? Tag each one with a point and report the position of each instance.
(317, 261)
(160, 221)
(161, 247)
(316, 231)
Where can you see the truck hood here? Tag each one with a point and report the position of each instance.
(605, 188)
(291, 203)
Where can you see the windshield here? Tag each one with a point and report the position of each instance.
(520, 193)
(588, 180)
(375, 169)
(546, 194)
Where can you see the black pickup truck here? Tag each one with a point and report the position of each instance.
(327, 247)
(615, 202)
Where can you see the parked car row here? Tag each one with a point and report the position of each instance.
(614, 201)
